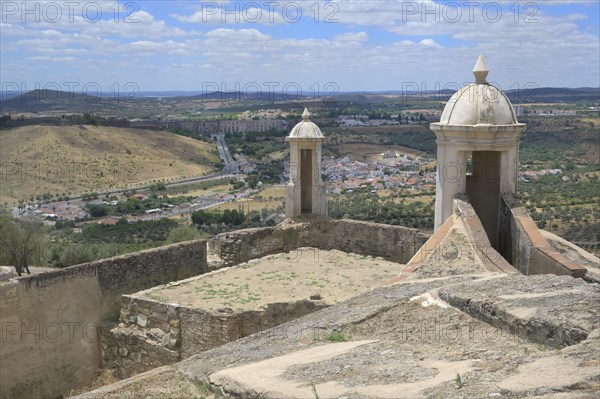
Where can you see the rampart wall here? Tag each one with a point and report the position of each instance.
(49, 322)
(56, 328)
(151, 333)
(522, 244)
(395, 243)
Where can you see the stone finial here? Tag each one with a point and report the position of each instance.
(481, 70)
(305, 114)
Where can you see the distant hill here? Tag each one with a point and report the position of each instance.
(151, 103)
(56, 101)
(62, 159)
(552, 94)
(258, 96)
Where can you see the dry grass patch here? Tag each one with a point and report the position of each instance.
(75, 159)
(333, 276)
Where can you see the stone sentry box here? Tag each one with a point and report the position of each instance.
(305, 192)
(477, 151)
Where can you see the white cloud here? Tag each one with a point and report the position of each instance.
(430, 43)
(237, 34)
(52, 59)
(213, 13)
(358, 37)
(375, 45)
(110, 18)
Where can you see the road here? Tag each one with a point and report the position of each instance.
(229, 164)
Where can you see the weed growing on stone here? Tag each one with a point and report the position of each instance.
(157, 298)
(458, 381)
(541, 347)
(336, 337)
(314, 390)
(206, 391)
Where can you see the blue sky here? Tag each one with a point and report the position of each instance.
(308, 45)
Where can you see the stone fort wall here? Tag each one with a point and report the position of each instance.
(394, 243)
(151, 333)
(522, 244)
(49, 322)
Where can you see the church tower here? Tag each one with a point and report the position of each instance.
(477, 151)
(305, 191)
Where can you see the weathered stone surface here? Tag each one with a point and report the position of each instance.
(418, 349)
(145, 312)
(524, 245)
(552, 310)
(394, 243)
(303, 332)
(576, 254)
(491, 362)
(205, 330)
(6, 273)
(173, 311)
(165, 382)
(142, 320)
(137, 357)
(157, 332)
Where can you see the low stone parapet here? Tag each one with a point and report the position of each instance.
(522, 243)
(151, 333)
(395, 243)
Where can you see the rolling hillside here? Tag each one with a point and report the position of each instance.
(68, 160)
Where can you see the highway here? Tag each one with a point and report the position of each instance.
(229, 164)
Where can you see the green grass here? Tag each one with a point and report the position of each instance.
(336, 336)
(458, 380)
(314, 390)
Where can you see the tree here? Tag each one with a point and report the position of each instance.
(158, 186)
(182, 233)
(252, 181)
(97, 210)
(19, 240)
(202, 217)
(238, 185)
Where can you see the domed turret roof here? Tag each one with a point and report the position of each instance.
(479, 103)
(306, 129)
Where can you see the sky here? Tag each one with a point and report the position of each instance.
(306, 47)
